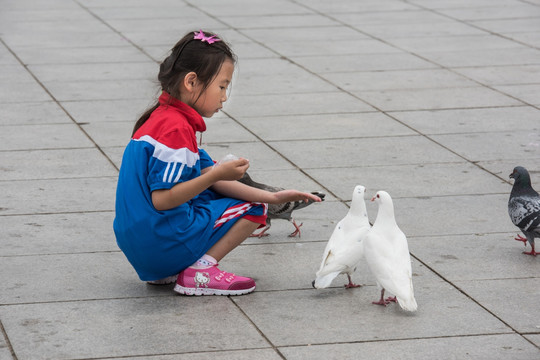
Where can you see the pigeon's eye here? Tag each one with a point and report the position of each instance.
(378, 196)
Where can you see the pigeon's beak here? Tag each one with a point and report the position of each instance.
(373, 198)
(511, 176)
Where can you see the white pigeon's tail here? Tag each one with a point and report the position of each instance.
(407, 304)
(322, 282)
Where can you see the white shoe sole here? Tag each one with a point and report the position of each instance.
(206, 291)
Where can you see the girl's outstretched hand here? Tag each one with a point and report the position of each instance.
(231, 170)
(292, 195)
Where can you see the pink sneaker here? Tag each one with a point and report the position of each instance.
(212, 281)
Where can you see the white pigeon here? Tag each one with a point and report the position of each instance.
(344, 249)
(387, 255)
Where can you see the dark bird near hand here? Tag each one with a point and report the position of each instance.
(524, 207)
(279, 211)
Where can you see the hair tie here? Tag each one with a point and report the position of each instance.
(209, 39)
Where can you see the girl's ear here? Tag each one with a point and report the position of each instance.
(190, 80)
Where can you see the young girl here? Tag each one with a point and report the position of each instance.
(178, 215)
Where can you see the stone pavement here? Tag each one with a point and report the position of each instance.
(434, 101)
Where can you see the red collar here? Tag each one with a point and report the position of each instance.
(193, 117)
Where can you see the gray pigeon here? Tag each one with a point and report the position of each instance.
(524, 207)
(279, 211)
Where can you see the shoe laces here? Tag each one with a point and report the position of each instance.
(225, 275)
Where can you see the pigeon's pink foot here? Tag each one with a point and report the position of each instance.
(381, 300)
(351, 284)
(261, 234)
(532, 252)
(522, 239)
(297, 231)
(391, 299)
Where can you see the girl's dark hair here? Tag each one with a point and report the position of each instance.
(189, 55)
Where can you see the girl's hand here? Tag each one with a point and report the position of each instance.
(231, 170)
(292, 195)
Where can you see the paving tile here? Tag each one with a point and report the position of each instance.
(103, 90)
(411, 180)
(342, 46)
(527, 93)
(86, 232)
(461, 43)
(33, 113)
(414, 29)
(490, 57)
(476, 347)
(456, 257)
(356, 7)
(362, 62)
(295, 104)
(299, 82)
(307, 34)
(506, 145)
(94, 72)
(453, 215)
(520, 118)
(512, 300)
(509, 75)
(87, 111)
(260, 156)
(22, 92)
(510, 25)
(341, 316)
(399, 150)
(510, 10)
(528, 38)
(399, 79)
(262, 354)
(439, 98)
(86, 329)
(331, 126)
(503, 168)
(50, 136)
(58, 196)
(54, 164)
(58, 39)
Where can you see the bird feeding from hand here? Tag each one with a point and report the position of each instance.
(344, 249)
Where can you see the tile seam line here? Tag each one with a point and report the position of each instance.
(261, 333)
(55, 100)
(470, 297)
(8, 341)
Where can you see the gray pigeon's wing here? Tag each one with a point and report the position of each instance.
(524, 212)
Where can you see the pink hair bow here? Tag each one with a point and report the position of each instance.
(209, 39)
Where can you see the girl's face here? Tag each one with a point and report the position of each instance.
(211, 100)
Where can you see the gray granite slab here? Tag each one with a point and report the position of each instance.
(510, 10)
(480, 256)
(79, 276)
(341, 316)
(341, 46)
(472, 120)
(108, 110)
(308, 19)
(512, 300)
(419, 29)
(399, 79)
(398, 150)
(22, 92)
(512, 24)
(260, 156)
(54, 164)
(33, 113)
(411, 180)
(436, 98)
(299, 82)
(58, 196)
(324, 34)
(504, 145)
(513, 74)
(356, 7)
(58, 39)
(453, 215)
(426, 45)
(295, 104)
(362, 62)
(86, 329)
(503, 168)
(49, 136)
(103, 90)
(488, 57)
(484, 347)
(49, 234)
(125, 70)
(528, 93)
(262, 354)
(330, 126)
